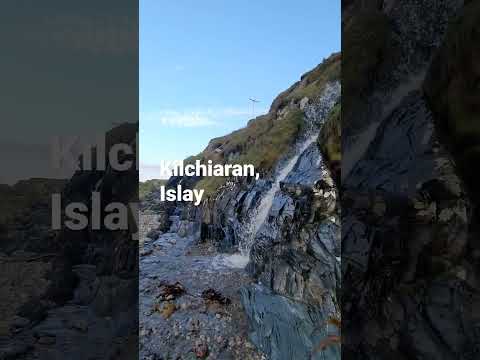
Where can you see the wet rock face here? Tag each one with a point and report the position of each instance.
(453, 91)
(329, 142)
(112, 252)
(407, 233)
(295, 251)
(295, 257)
(405, 225)
(223, 219)
(226, 218)
(67, 282)
(387, 47)
(285, 329)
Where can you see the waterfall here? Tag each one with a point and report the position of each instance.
(241, 259)
(315, 114)
(355, 148)
(266, 202)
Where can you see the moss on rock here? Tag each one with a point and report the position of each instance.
(329, 141)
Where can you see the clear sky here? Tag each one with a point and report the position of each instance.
(201, 61)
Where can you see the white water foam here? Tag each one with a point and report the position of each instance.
(353, 152)
(251, 229)
(267, 200)
(231, 261)
(241, 259)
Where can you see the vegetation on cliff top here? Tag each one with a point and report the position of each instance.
(262, 143)
(267, 138)
(148, 186)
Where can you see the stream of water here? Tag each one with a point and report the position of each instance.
(240, 260)
(267, 199)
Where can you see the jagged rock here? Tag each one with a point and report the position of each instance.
(329, 143)
(414, 219)
(296, 253)
(285, 329)
(288, 220)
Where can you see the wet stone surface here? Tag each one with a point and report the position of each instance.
(182, 324)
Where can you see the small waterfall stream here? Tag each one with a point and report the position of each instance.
(267, 200)
(241, 259)
(315, 114)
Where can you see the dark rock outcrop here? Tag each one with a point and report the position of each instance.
(287, 329)
(453, 92)
(404, 235)
(295, 257)
(408, 270)
(330, 142)
(67, 283)
(287, 222)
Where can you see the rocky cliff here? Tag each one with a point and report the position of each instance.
(64, 285)
(286, 225)
(408, 267)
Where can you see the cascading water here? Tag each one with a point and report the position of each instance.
(267, 200)
(241, 259)
(315, 114)
(356, 146)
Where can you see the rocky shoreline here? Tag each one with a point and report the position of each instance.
(285, 226)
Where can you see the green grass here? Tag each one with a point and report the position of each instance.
(314, 82)
(267, 138)
(330, 135)
(261, 144)
(146, 187)
(210, 185)
(275, 142)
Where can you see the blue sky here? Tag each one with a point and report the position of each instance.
(200, 62)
